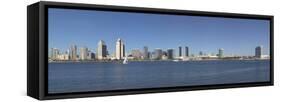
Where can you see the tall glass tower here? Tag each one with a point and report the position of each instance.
(180, 53)
(186, 51)
(73, 52)
(220, 55)
(145, 52)
(120, 49)
(258, 52)
(102, 51)
(170, 54)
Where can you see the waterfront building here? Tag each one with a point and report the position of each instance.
(120, 49)
(136, 54)
(145, 52)
(258, 52)
(91, 55)
(51, 53)
(73, 52)
(84, 53)
(152, 55)
(164, 57)
(54, 53)
(186, 51)
(101, 50)
(180, 51)
(64, 56)
(157, 54)
(220, 54)
(170, 53)
(149, 55)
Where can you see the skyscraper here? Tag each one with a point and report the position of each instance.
(54, 53)
(145, 52)
(157, 54)
(258, 52)
(91, 55)
(73, 52)
(149, 55)
(180, 52)
(84, 53)
(120, 49)
(220, 54)
(186, 51)
(170, 54)
(102, 50)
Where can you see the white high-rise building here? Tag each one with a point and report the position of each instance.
(101, 51)
(83, 53)
(54, 53)
(120, 49)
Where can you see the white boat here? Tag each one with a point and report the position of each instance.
(176, 60)
(185, 59)
(125, 61)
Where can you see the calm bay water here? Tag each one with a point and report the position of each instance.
(97, 76)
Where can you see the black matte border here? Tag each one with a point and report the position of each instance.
(44, 21)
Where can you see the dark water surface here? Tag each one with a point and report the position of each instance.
(97, 76)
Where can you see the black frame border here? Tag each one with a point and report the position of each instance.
(43, 49)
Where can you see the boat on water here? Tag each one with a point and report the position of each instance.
(176, 60)
(125, 61)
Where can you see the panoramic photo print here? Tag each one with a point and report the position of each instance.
(91, 50)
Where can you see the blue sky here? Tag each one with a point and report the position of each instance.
(207, 34)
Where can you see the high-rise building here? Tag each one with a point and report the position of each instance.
(84, 53)
(73, 52)
(145, 52)
(258, 52)
(51, 53)
(157, 54)
(152, 55)
(186, 51)
(120, 49)
(91, 55)
(180, 52)
(54, 53)
(220, 54)
(149, 55)
(101, 50)
(170, 54)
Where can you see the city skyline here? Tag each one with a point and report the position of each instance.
(86, 28)
(136, 54)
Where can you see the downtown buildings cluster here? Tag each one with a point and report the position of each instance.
(102, 54)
